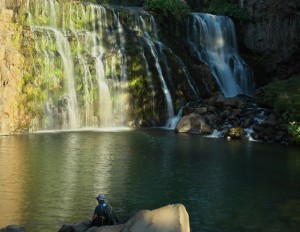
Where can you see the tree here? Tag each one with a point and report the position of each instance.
(174, 8)
(224, 7)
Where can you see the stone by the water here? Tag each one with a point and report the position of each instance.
(13, 228)
(170, 218)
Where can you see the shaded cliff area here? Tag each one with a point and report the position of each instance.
(267, 33)
(271, 38)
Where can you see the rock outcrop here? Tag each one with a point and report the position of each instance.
(170, 218)
(235, 133)
(272, 35)
(194, 124)
(11, 68)
(233, 118)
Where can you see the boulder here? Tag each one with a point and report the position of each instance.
(13, 228)
(193, 123)
(271, 121)
(235, 133)
(116, 228)
(82, 226)
(211, 119)
(234, 102)
(201, 110)
(170, 218)
(258, 128)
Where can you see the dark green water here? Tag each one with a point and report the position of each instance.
(47, 180)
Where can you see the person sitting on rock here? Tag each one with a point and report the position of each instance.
(103, 214)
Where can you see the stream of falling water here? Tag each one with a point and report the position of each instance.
(212, 40)
(81, 56)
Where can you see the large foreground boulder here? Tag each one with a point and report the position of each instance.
(170, 218)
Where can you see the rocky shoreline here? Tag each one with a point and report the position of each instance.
(233, 118)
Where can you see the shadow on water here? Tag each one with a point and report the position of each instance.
(53, 178)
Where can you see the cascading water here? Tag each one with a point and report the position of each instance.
(63, 48)
(88, 73)
(154, 52)
(212, 40)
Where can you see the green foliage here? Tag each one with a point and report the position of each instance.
(284, 98)
(92, 1)
(138, 89)
(17, 36)
(228, 8)
(173, 8)
(97, 1)
(294, 129)
(33, 92)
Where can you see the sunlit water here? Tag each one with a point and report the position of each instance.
(50, 179)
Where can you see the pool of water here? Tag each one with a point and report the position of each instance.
(50, 179)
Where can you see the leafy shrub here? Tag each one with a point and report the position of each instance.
(228, 7)
(173, 8)
(96, 1)
(294, 129)
(284, 98)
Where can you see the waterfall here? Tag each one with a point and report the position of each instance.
(69, 44)
(91, 62)
(212, 40)
(172, 122)
(63, 47)
(154, 52)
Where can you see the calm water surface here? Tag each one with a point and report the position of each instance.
(51, 179)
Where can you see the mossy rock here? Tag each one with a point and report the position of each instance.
(235, 133)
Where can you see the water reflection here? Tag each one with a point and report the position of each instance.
(53, 179)
(13, 179)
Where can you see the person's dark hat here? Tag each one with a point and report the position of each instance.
(101, 197)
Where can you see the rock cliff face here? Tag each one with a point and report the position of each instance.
(11, 66)
(270, 41)
(272, 36)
